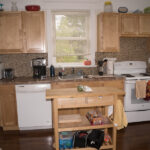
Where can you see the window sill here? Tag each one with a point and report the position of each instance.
(74, 66)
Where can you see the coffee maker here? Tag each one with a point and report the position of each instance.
(102, 67)
(39, 68)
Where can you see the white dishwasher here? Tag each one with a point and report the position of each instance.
(34, 112)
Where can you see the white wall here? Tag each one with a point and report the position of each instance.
(97, 4)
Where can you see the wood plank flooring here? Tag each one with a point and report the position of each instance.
(135, 137)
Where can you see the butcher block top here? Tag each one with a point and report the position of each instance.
(73, 92)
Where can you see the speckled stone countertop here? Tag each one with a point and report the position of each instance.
(30, 80)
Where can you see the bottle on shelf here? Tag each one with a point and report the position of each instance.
(52, 71)
(1, 7)
(14, 6)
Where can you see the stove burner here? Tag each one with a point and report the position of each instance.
(145, 74)
(127, 75)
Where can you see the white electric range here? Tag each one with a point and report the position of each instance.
(137, 110)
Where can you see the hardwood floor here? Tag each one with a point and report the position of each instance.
(135, 137)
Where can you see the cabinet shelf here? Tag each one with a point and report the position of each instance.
(90, 148)
(84, 125)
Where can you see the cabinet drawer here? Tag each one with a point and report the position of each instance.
(85, 102)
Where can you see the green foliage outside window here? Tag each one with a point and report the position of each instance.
(71, 38)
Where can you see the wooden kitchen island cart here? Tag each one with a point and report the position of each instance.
(70, 108)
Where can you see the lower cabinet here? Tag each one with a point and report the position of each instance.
(117, 83)
(8, 107)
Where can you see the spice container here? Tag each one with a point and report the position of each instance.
(108, 6)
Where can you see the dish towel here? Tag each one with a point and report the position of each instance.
(120, 118)
(140, 89)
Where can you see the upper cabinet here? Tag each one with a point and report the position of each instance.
(22, 32)
(11, 33)
(129, 24)
(135, 25)
(144, 24)
(108, 32)
(33, 32)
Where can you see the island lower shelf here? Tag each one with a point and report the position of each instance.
(85, 124)
(89, 148)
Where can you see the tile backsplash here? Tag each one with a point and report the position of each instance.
(130, 49)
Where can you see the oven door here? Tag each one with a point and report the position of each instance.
(131, 103)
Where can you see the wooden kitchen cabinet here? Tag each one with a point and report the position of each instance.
(108, 31)
(11, 32)
(144, 24)
(70, 99)
(135, 25)
(34, 32)
(129, 24)
(117, 83)
(22, 32)
(8, 107)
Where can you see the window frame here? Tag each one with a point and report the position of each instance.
(92, 38)
(87, 37)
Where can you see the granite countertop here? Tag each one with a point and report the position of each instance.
(30, 80)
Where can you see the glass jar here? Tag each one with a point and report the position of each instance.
(108, 6)
(14, 6)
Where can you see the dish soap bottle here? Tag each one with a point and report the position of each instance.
(52, 71)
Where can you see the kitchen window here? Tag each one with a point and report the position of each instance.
(71, 44)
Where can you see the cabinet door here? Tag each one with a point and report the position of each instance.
(144, 24)
(129, 24)
(34, 32)
(8, 107)
(108, 32)
(10, 33)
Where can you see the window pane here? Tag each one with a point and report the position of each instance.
(70, 59)
(71, 50)
(70, 25)
(71, 47)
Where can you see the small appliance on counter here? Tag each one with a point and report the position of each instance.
(102, 67)
(8, 73)
(1, 70)
(39, 68)
(110, 65)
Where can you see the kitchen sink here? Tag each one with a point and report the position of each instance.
(75, 77)
(70, 77)
(98, 76)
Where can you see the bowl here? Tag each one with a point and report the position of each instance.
(32, 7)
